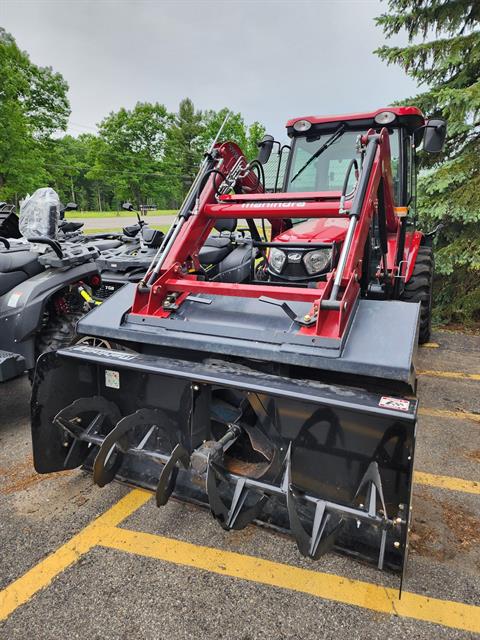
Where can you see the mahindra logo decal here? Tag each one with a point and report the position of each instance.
(294, 257)
(273, 205)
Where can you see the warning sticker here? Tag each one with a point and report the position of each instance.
(13, 299)
(112, 379)
(398, 404)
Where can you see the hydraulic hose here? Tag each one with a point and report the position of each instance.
(255, 164)
(354, 214)
(353, 163)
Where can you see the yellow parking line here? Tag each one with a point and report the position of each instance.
(42, 574)
(447, 482)
(315, 583)
(104, 532)
(449, 374)
(445, 413)
(430, 345)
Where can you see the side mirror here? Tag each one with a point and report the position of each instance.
(265, 147)
(127, 206)
(434, 136)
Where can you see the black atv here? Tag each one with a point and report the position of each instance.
(42, 296)
(128, 256)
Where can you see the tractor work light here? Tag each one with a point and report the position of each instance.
(277, 259)
(385, 117)
(317, 261)
(302, 125)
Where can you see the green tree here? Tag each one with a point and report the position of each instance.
(184, 149)
(192, 134)
(68, 161)
(128, 153)
(443, 55)
(255, 133)
(33, 105)
(235, 129)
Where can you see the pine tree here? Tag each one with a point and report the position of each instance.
(184, 150)
(443, 56)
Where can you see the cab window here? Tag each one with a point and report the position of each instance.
(327, 171)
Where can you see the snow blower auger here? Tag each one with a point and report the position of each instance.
(267, 371)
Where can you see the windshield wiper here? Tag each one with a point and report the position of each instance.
(333, 138)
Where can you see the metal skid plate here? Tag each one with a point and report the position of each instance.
(381, 342)
(333, 465)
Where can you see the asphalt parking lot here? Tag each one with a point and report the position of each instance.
(77, 561)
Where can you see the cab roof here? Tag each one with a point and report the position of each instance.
(410, 117)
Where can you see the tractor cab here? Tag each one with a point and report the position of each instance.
(323, 160)
(323, 146)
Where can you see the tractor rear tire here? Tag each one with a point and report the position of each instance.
(419, 289)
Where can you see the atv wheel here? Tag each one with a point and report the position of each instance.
(419, 289)
(93, 341)
(59, 332)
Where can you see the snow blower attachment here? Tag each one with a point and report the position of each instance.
(274, 380)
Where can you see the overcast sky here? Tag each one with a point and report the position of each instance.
(270, 60)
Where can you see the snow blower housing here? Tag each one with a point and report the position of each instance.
(284, 397)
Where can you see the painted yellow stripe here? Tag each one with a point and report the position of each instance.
(447, 482)
(449, 374)
(42, 574)
(321, 585)
(103, 531)
(444, 413)
(122, 509)
(430, 345)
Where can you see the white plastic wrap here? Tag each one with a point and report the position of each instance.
(40, 213)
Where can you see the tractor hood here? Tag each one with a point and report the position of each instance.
(316, 230)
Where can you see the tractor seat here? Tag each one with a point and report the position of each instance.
(215, 249)
(16, 267)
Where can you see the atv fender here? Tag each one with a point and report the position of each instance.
(22, 308)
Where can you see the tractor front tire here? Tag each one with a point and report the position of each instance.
(419, 289)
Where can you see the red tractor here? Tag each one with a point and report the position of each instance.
(264, 366)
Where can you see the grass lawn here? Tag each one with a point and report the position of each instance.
(118, 214)
(164, 228)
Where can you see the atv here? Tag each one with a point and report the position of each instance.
(43, 286)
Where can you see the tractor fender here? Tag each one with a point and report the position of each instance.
(22, 308)
(413, 243)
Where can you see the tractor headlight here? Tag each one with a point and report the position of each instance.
(276, 259)
(317, 261)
